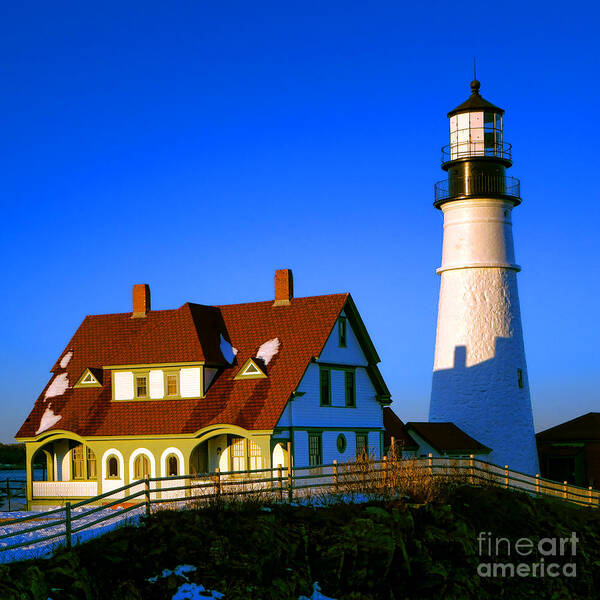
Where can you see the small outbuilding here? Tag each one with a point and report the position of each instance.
(571, 451)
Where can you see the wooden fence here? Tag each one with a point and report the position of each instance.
(365, 477)
(13, 490)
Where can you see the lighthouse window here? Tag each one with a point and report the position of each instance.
(520, 377)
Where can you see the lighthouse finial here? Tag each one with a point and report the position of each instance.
(475, 85)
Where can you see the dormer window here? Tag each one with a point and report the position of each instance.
(172, 384)
(89, 379)
(141, 386)
(342, 332)
(251, 369)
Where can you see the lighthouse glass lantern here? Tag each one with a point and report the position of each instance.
(475, 133)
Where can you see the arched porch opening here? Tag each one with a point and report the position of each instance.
(69, 470)
(64, 460)
(229, 452)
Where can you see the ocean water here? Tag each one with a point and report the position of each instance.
(17, 475)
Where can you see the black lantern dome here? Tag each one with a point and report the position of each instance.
(477, 157)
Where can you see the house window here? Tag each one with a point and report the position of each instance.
(141, 386)
(315, 452)
(83, 463)
(172, 466)
(91, 464)
(238, 454)
(349, 388)
(255, 455)
(141, 467)
(362, 444)
(78, 462)
(342, 332)
(325, 385)
(341, 443)
(520, 377)
(172, 384)
(112, 467)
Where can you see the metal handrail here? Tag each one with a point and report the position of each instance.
(477, 185)
(474, 149)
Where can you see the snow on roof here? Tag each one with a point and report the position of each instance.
(268, 350)
(227, 350)
(65, 359)
(58, 386)
(48, 420)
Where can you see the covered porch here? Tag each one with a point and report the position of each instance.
(69, 469)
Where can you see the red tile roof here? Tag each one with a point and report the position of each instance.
(188, 334)
(583, 428)
(447, 438)
(394, 427)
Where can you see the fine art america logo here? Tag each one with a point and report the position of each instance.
(546, 557)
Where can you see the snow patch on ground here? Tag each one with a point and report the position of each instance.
(192, 591)
(48, 419)
(268, 350)
(316, 594)
(227, 350)
(65, 359)
(180, 571)
(48, 547)
(58, 387)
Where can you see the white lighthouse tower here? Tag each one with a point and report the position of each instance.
(479, 374)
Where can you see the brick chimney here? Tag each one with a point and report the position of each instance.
(141, 300)
(284, 287)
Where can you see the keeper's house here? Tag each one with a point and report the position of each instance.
(190, 390)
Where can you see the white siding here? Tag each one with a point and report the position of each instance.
(306, 411)
(123, 386)
(189, 382)
(330, 451)
(300, 449)
(352, 354)
(157, 384)
(338, 388)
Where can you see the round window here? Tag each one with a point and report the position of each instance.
(341, 443)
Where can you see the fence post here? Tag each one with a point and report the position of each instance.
(590, 493)
(565, 489)
(147, 494)
(392, 449)
(290, 482)
(430, 463)
(506, 476)
(537, 484)
(471, 468)
(335, 475)
(8, 492)
(218, 482)
(280, 482)
(384, 465)
(68, 524)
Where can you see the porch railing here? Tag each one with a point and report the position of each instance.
(64, 489)
(76, 522)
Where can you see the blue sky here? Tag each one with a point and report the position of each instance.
(199, 146)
